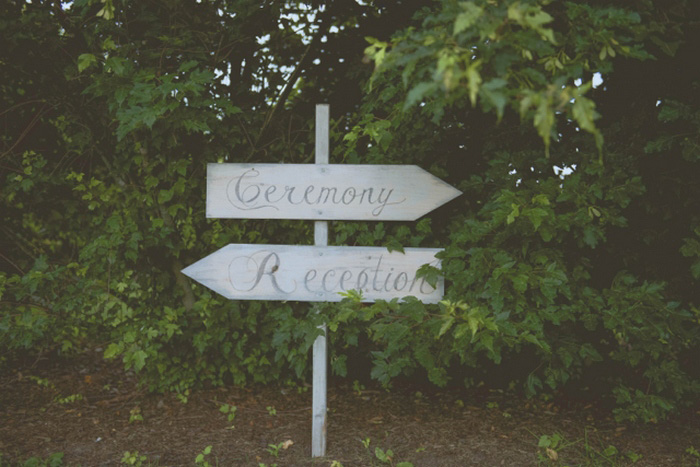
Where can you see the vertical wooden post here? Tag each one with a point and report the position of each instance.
(320, 359)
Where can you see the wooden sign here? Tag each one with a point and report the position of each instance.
(323, 191)
(315, 273)
(320, 273)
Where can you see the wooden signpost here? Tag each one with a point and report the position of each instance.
(319, 374)
(319, 273)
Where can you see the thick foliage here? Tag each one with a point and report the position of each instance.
(573, 128)
(568, 256)
(111, 113)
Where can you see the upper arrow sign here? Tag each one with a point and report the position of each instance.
(323, 191)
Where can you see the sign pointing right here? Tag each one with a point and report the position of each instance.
(323, 191)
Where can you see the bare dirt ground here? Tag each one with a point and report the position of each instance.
(93, 413)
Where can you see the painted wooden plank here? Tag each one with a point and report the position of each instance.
(323, 191)
(322, 140)
(319, 396)
(315, 273)
(319, 388)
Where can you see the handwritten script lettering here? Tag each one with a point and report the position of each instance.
(317, 273)
(246, 193)
(262, 264)
(267, 270)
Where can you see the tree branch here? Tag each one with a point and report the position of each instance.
(284, 95)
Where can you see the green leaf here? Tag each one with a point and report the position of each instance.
(431, 274)
(394, 245)
(589, 237)
(418, 92)
(515, 212)
(520, 282)
(473, 80)
(108, 44)
(468, 17)
(536, 215)
(695, 270)
(164, 196)
(544, 122)
(446, 325)
(584, 113)
(494, 93)
(107, 12)
(117, 65)
(112, 350)
(187, 66)
(473, 322)
(139, 359)
(85, 61)
(376, 51)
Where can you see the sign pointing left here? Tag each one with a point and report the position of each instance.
(315, 273)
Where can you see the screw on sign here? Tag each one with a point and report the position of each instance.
(319, 273)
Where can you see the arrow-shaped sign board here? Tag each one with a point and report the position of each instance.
(323, 191)
(316, 274)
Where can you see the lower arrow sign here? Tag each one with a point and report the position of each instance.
(316, 273)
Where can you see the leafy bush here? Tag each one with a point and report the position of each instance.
(572, 260)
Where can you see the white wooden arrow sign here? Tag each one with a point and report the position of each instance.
(315, 273)
(323, 191)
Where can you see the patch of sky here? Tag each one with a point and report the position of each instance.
(597, 80)
(296, 11)
(225, 76)
(562, 172)
(515, 172)
(262, 40)
(303, 16)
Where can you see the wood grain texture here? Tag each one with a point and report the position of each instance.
(319, 402)
(315, 273)
(323, 191)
